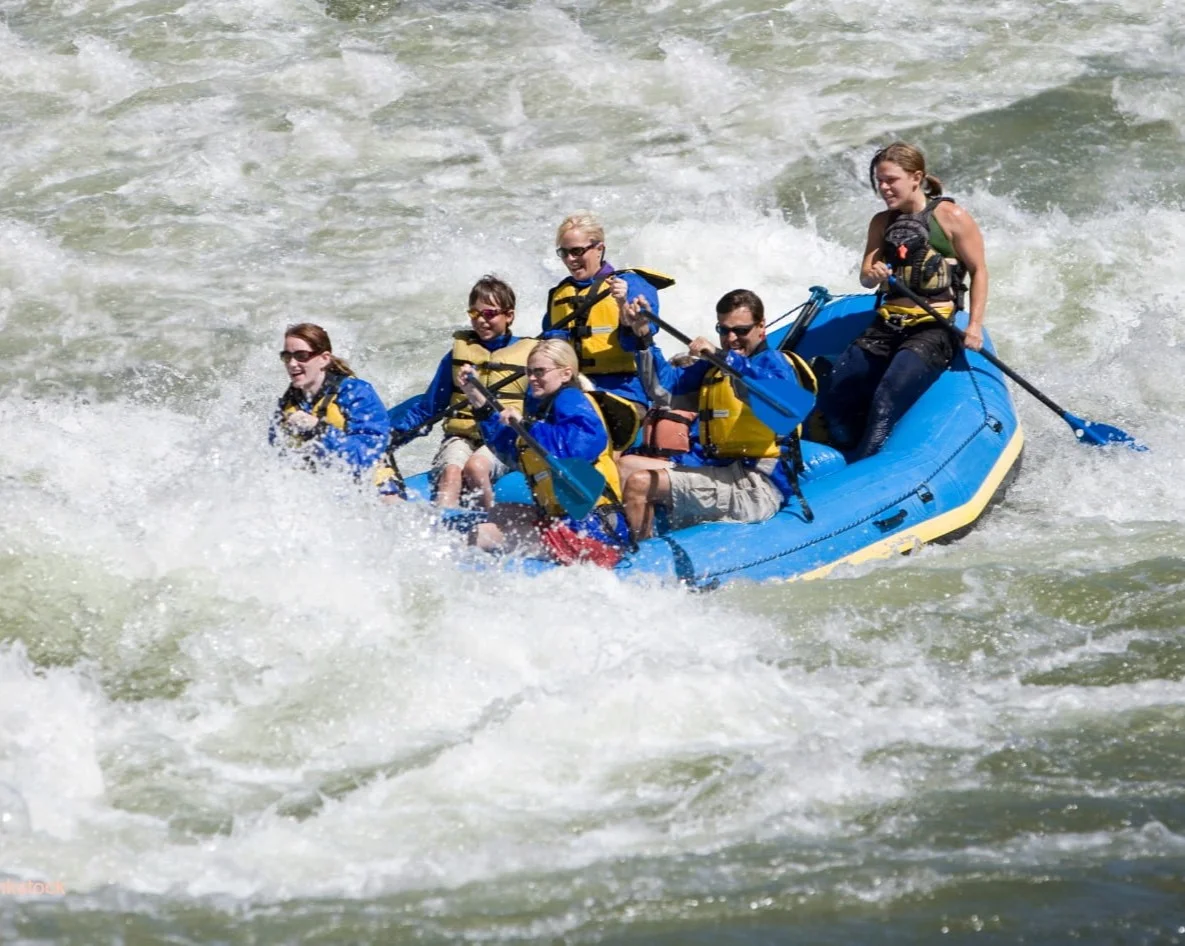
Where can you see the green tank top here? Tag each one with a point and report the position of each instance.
(938, 238)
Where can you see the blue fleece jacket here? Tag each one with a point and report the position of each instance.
(766, 364)
(567, 427)
(367, 430)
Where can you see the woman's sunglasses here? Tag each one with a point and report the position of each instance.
(574, 252)
(300, 356)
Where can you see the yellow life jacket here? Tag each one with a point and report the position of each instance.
(594, 330)
(539, 476)
(325, 409)
(727, 425)
(492, 367)
(621, 417)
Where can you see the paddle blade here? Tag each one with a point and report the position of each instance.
(1101, 435)
(578, 485)
(781, 406)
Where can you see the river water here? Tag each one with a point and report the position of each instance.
(239, 704)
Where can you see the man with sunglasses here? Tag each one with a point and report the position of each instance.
(585, 308)
(745, 475)
(464, 463)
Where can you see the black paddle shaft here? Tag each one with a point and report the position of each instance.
(812, 307)
(516, 425)
(421, 430)
(987, 355)
(709, 356)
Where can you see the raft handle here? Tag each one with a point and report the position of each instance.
(892, 522)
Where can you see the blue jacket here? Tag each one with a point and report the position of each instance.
(410, 414)
(628, 386)
(569, 428)
(367, 431)
(765, 365)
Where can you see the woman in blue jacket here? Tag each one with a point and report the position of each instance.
(585, 308)
(327, 413)
(567, 423)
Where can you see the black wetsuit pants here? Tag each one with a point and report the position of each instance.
(878, 388)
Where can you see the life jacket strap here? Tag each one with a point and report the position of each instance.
(792, 463)
(614, 508)
(582, 305)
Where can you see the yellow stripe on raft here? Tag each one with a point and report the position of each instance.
(935, 528)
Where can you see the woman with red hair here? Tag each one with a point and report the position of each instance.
(327, 412)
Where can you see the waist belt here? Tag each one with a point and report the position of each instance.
(906, 316)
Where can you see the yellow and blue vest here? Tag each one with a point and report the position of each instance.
(594, 330)
(492, 368)
(539, 476)
(728, 428)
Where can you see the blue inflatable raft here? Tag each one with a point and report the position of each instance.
(945, 463)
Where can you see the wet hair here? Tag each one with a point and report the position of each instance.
(318, 340)
(586, 222)
(496, 290)
(561, 354)
(742, 298)
(909, 159)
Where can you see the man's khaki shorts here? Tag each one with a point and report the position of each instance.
(721, 493)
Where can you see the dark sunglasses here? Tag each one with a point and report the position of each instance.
(300, 356)
(574, 252)
(486, 314)
(740, 331)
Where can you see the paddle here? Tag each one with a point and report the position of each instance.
(405, 437)
(578, 484)
(779, 404)
(819, 298)
(1089, 432)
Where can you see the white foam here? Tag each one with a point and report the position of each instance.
(239, 679)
